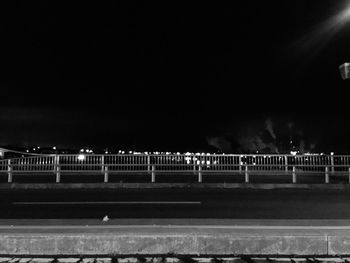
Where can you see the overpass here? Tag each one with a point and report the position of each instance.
(155, 237)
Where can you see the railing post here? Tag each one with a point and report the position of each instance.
(286, 163)
(102, 163)
(240, 164)
(326, 176)
(294, 174)
(9, 171)
(332, 163)
(194, 164)
(57, 169)
(246, 175)
(105, 174)
(104, 169)
(153, 173)
(199, 173)
(148, 164)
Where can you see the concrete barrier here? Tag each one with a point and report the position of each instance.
(263, 186)
(176, 244)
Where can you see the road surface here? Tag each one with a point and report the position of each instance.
(176, 203)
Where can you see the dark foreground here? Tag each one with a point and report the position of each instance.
(176, 203)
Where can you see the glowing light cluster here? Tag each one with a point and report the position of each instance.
(81, 157)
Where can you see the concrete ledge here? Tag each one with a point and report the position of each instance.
(185, 244)
(339, 245)
(40, 186)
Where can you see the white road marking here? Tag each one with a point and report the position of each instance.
(111, 203)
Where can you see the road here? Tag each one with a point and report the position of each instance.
(176, 204)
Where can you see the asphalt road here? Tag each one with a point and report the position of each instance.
(176, 204)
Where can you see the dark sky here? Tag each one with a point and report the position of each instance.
(168, 75)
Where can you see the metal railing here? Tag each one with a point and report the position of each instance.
(199, 164)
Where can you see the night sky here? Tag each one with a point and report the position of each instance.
(173, 75)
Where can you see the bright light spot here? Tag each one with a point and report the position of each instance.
(332, 153)
(188, 160)
(81, 157)
(317, 38)
(54, 147)
(345, 15)
(293, 152)
(27, 151)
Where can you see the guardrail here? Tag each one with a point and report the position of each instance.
(199, 164)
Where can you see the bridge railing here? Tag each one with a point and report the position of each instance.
(177, 163)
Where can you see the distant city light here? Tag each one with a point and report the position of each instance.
(54, 148)
(81, 157)
(293, 152)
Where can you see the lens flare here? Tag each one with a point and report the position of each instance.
(317, 39)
